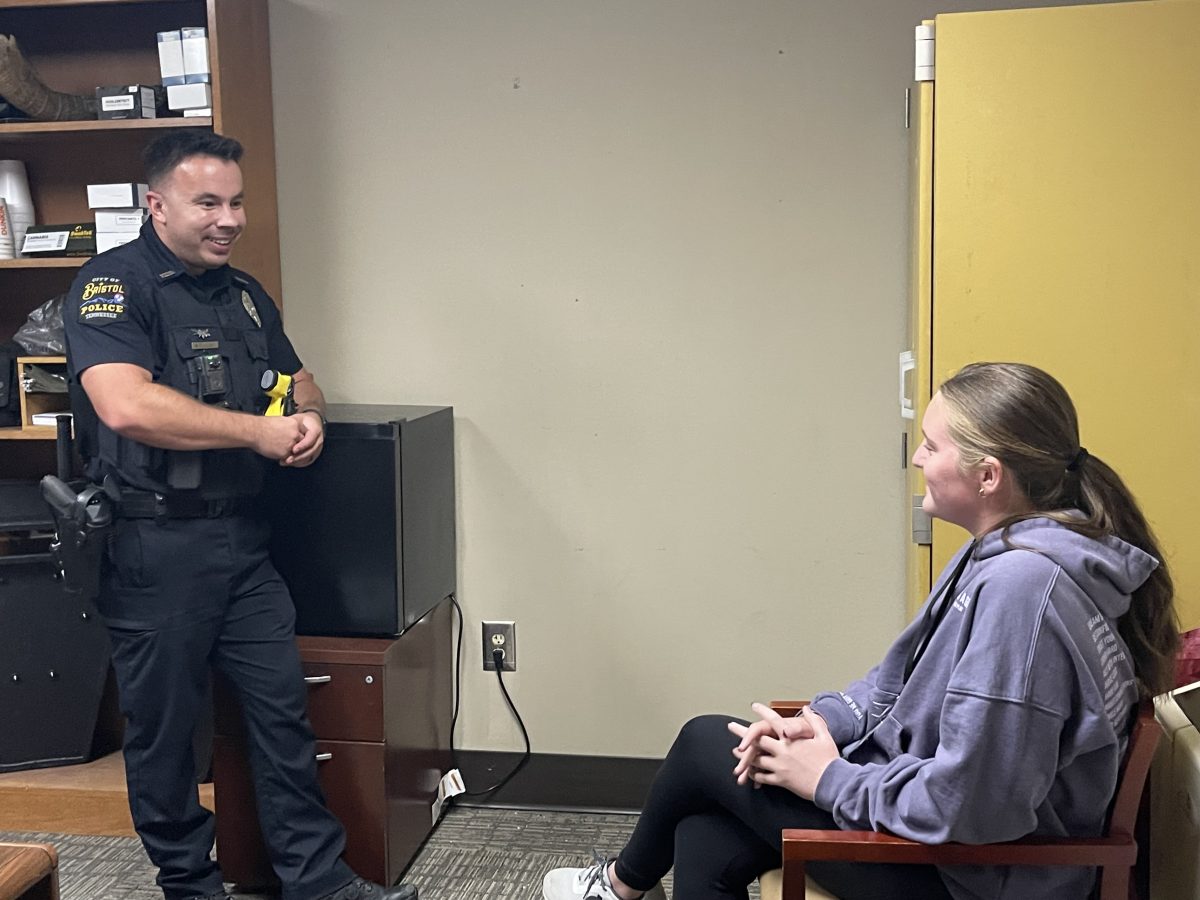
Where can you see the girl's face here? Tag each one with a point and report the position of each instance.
(950, 494)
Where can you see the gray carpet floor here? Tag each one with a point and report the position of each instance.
(489, 854)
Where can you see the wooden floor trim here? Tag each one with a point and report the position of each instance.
(89, 798)
(65, 811)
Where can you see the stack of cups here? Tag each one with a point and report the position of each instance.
(14, 189)
(7, 247)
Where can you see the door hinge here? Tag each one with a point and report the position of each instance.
(924, 53)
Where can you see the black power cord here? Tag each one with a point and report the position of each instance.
(498, 659)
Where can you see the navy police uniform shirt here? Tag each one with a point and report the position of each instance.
(112, 309)
(137, 304)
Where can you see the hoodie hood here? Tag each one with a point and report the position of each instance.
(1015, 718)
(1108, 569)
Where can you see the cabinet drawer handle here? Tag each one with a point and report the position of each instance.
(318, 679)
(324, 757)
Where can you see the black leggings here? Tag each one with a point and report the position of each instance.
(720, 836)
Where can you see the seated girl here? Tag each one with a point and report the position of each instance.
(1003, 710)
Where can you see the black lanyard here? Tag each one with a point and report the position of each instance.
(935, 612)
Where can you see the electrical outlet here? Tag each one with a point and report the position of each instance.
(502, 636)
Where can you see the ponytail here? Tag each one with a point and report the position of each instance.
(1024, 417)
(1149, 628)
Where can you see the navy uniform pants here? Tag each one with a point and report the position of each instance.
(720, 835)
(181, 596)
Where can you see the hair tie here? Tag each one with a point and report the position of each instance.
(1078, 460)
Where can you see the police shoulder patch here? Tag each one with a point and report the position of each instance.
(103, 300)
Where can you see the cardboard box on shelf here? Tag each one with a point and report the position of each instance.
(170, 56)
(126, 101)
(188, 96)
(121, 220)
(106, 240)
(116, 196)
(195, 56)
(76, 239)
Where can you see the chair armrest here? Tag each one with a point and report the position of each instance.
(802, 845)
(788, 708)
(25, 868)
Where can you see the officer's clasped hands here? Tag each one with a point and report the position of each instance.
(312, 439)
(278, 436)
(294, 440)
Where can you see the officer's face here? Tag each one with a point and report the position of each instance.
(197, 211)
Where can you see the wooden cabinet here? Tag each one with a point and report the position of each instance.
(76, 46)
(380, 709)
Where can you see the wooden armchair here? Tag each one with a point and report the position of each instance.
(1114, 852)
(28, 872)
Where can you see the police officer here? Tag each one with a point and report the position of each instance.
(169, 343)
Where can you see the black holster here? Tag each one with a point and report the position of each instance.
(82, 522)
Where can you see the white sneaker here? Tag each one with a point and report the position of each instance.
(591, 883)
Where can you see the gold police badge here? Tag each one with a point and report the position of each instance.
(250, 308)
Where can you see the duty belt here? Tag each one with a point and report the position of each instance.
(153, 505)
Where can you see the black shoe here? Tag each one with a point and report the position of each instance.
(359, 889)
(219, 895)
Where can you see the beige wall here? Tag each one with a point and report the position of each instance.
(655, 255)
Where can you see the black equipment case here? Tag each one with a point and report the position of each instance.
(54, 649)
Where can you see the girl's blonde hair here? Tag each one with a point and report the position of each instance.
(1023, 417)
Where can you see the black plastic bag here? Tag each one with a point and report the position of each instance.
(42, 333)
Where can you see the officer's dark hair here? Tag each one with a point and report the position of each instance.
(163, 154)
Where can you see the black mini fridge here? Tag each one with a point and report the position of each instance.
(365, 537)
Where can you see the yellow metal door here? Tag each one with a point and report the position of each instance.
(915, 384)
(1066, 232)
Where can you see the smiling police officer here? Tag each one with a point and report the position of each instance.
(169, 343)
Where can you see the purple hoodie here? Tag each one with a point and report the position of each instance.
(1015, 719)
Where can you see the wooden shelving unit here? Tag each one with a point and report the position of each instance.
(76, 46)
(35, 402)
(13, 129)
(50, 262)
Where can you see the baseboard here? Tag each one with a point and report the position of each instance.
(558, 781)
